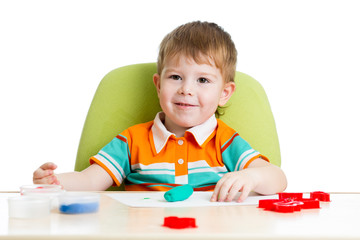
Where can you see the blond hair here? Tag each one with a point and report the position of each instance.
(203, 42)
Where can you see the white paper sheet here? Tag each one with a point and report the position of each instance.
(197, 199)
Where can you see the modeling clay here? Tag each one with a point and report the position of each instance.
(293, 196)
(291, 202)
(321, 196)
(179, 193)
(285, 207)
(179, 223)
(78, 202)
(77, 208)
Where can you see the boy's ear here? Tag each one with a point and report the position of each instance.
(156, 80)
(227, 92)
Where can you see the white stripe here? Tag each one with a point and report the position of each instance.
(113, 162)
(183, 179)
(246, 160)
(155, 172)
(110, 167)
(203, 166)
(220, 169)
(162, 166)
(200, 163)
(201, 170)
(216, 170)
(241, 158)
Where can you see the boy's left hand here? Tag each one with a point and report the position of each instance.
(231, 183)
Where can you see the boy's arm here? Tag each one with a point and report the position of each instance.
(93, 178)
(271, 178)
(260, 176)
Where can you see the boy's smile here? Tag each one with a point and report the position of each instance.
(185, 105)
(190, 92)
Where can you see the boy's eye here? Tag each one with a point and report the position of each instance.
(203, 80)
(175, 77)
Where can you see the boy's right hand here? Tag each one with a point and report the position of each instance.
(45, 174)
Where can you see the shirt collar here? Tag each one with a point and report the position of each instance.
(161, 135)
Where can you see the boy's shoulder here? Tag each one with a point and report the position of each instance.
(227, 136)
(224, 131)
(139, 128)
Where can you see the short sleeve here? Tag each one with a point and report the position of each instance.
(115, 158)
(237, 154)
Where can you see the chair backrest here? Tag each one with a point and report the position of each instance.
(127, 96)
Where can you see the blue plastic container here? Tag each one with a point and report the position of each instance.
(79, 202)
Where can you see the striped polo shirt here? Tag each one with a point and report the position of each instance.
(149, 157)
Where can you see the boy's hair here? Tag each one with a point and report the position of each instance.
(200, 40)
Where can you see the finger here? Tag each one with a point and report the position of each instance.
(57, 182)
(235, 188)
(48, 165)
(224, 190)
(214, 196)
(46, 180)
(244, 193)
(40, 173)
(45, 170)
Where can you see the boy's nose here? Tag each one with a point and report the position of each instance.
(186, 89)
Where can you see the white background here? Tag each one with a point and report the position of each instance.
(306, 54)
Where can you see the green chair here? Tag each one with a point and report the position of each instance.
(127, 96)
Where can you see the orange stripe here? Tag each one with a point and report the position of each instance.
(250, 161)
(264, 158)
(95, 160)
(256, 157)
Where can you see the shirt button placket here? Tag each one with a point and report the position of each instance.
(181, 158)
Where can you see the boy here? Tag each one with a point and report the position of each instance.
(185, 144)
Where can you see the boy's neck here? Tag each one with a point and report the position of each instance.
(174, 128)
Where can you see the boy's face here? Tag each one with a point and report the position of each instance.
(189, 92)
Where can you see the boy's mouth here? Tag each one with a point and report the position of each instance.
(184, 104)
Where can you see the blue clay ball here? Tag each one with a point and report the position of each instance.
(179, 193)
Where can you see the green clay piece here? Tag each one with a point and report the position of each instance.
(179, 193)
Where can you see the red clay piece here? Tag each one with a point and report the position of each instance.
(293, 196)
(268, 204)
(287, 207)
(291, 202)
(321, 196)
(310, 204)
(179, 223)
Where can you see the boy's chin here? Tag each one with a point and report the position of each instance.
(188, 125)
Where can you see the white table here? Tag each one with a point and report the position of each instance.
(338, 219)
